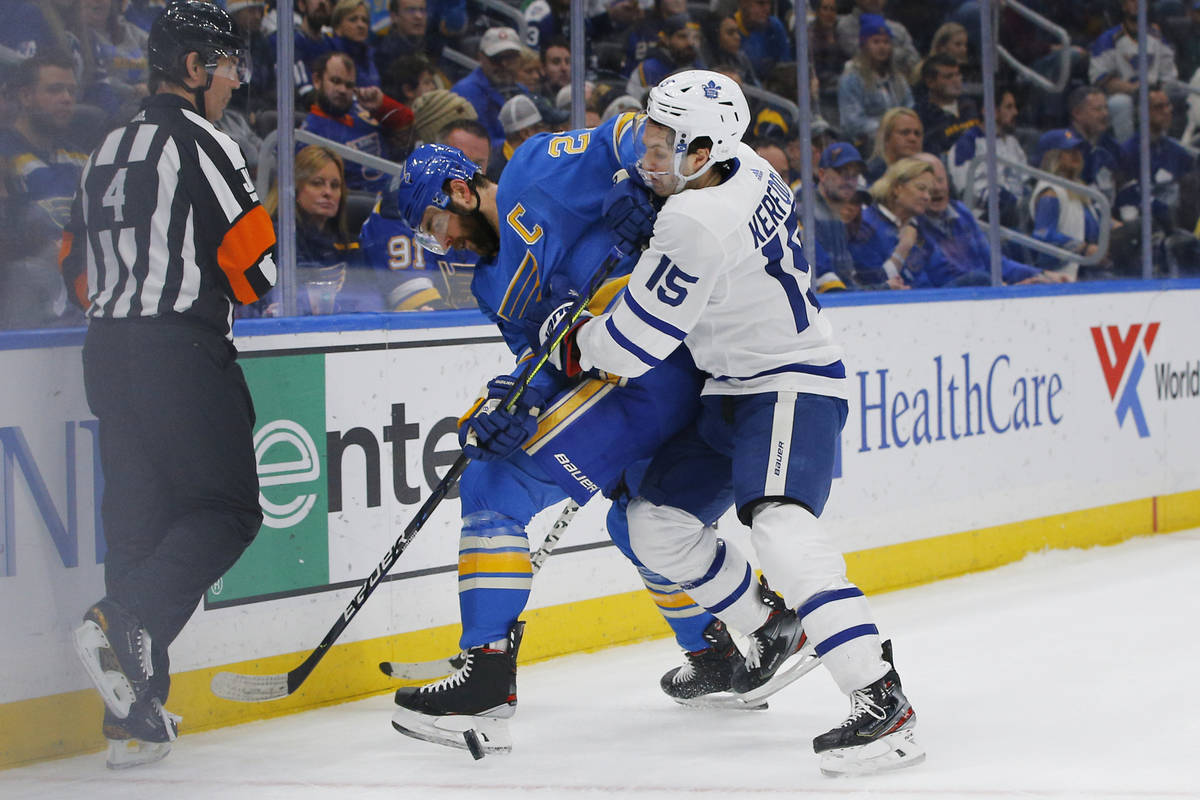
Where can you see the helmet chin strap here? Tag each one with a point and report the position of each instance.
(199, 93)
(684, 180)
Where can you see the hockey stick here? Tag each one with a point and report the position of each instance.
(260, 688)
(428, 670)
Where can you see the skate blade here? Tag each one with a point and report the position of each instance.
(723, 701)
(114, 687)
(126, 753)
(894, 751)
(802, 663)
(490, 734)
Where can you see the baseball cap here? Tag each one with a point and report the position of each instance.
(839, 154)
(872, 25)
(518, 113)
(1060, 139)
(499, 40)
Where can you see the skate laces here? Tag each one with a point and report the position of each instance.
(754, 650)
(170, 721)
(454, 679)
(861, 705)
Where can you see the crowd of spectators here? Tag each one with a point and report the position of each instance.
(896, 115)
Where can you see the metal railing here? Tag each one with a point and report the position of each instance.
(1064, 52)
(1101, 202)
(502, 9)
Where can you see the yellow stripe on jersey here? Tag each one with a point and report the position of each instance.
(624, 124)
(673, 600)
(567, 409)
(521, 289)
(607, 294)
(512, 564)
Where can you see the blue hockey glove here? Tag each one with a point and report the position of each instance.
(629, 211)
(492, 433)
(543, 319)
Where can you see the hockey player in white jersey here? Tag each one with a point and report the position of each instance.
(724, 275)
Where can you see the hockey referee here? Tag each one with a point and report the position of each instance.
(166, 234)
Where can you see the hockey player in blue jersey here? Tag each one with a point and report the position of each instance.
(723, 275)
(543, 223)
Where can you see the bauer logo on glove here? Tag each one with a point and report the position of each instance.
(492, 431)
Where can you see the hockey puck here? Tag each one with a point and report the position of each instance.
(473, 744)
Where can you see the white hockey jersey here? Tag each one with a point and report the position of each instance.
(724, 274)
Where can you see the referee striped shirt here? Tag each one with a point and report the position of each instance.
(166, 222)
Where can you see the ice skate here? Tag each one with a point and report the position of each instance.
(470, 708)
(115, 651)
(707, 677)
(777, 653)
(878, 734)
(142, 737)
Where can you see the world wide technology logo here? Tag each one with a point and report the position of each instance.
(1123, 359)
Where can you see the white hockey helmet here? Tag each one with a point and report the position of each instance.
(699, 103)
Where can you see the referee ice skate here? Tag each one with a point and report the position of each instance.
(166, 233)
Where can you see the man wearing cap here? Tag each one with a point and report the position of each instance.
(369, 123)
(520, 118)
(839, 174)
(490, 84)
(678, 48)
(1062, 218)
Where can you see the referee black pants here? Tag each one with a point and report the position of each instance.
(180, 482)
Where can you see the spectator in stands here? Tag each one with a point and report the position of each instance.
(259, 94)
(374, 123)
(888, 252)
(849, 27)
(520, 119)
(406, 36)
(871, 83)
(556, 65)
(1101, 153)
(839, 174)
(408, 78)
(351, 23)
(547, 20)
(143, 12)
(492, 82)
(771, 149)
(1062, 217)
(119, 47)
(1170, 164)
(308, 43)
(327, 254)
(470, 137)
(900, 135)
(722, 46)
(528, 71)
(678, 49)
(1012, 181)
(1114, 67)
(956, 250)
(42, 170)
(828, 57)
(945, 113)
(764, 39)
(436, 109)
(951, 40)
(648, 33)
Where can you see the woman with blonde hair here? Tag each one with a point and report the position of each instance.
(951, 39)
(899, 136)
(351, 23)
(1062, 217)
(324, 245)
(885, 250)
(871, 83)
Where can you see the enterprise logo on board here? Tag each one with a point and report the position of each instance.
(1123, 360)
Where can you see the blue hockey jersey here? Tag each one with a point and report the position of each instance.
(412, 277)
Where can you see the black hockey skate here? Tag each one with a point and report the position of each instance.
(469, 709)
(778, 643)
(705, 680)
(115, 651)
(878, 734)
(142, 737)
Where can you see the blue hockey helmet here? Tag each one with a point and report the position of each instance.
(422, 182)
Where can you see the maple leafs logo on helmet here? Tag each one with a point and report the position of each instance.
(711, 90)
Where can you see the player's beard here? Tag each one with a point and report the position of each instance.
(478, 233)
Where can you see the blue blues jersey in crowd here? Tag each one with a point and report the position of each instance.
(411, 277)
(357, 129)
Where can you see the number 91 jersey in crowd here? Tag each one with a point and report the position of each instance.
(550, 202)
(410, 277)
(725, 275)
